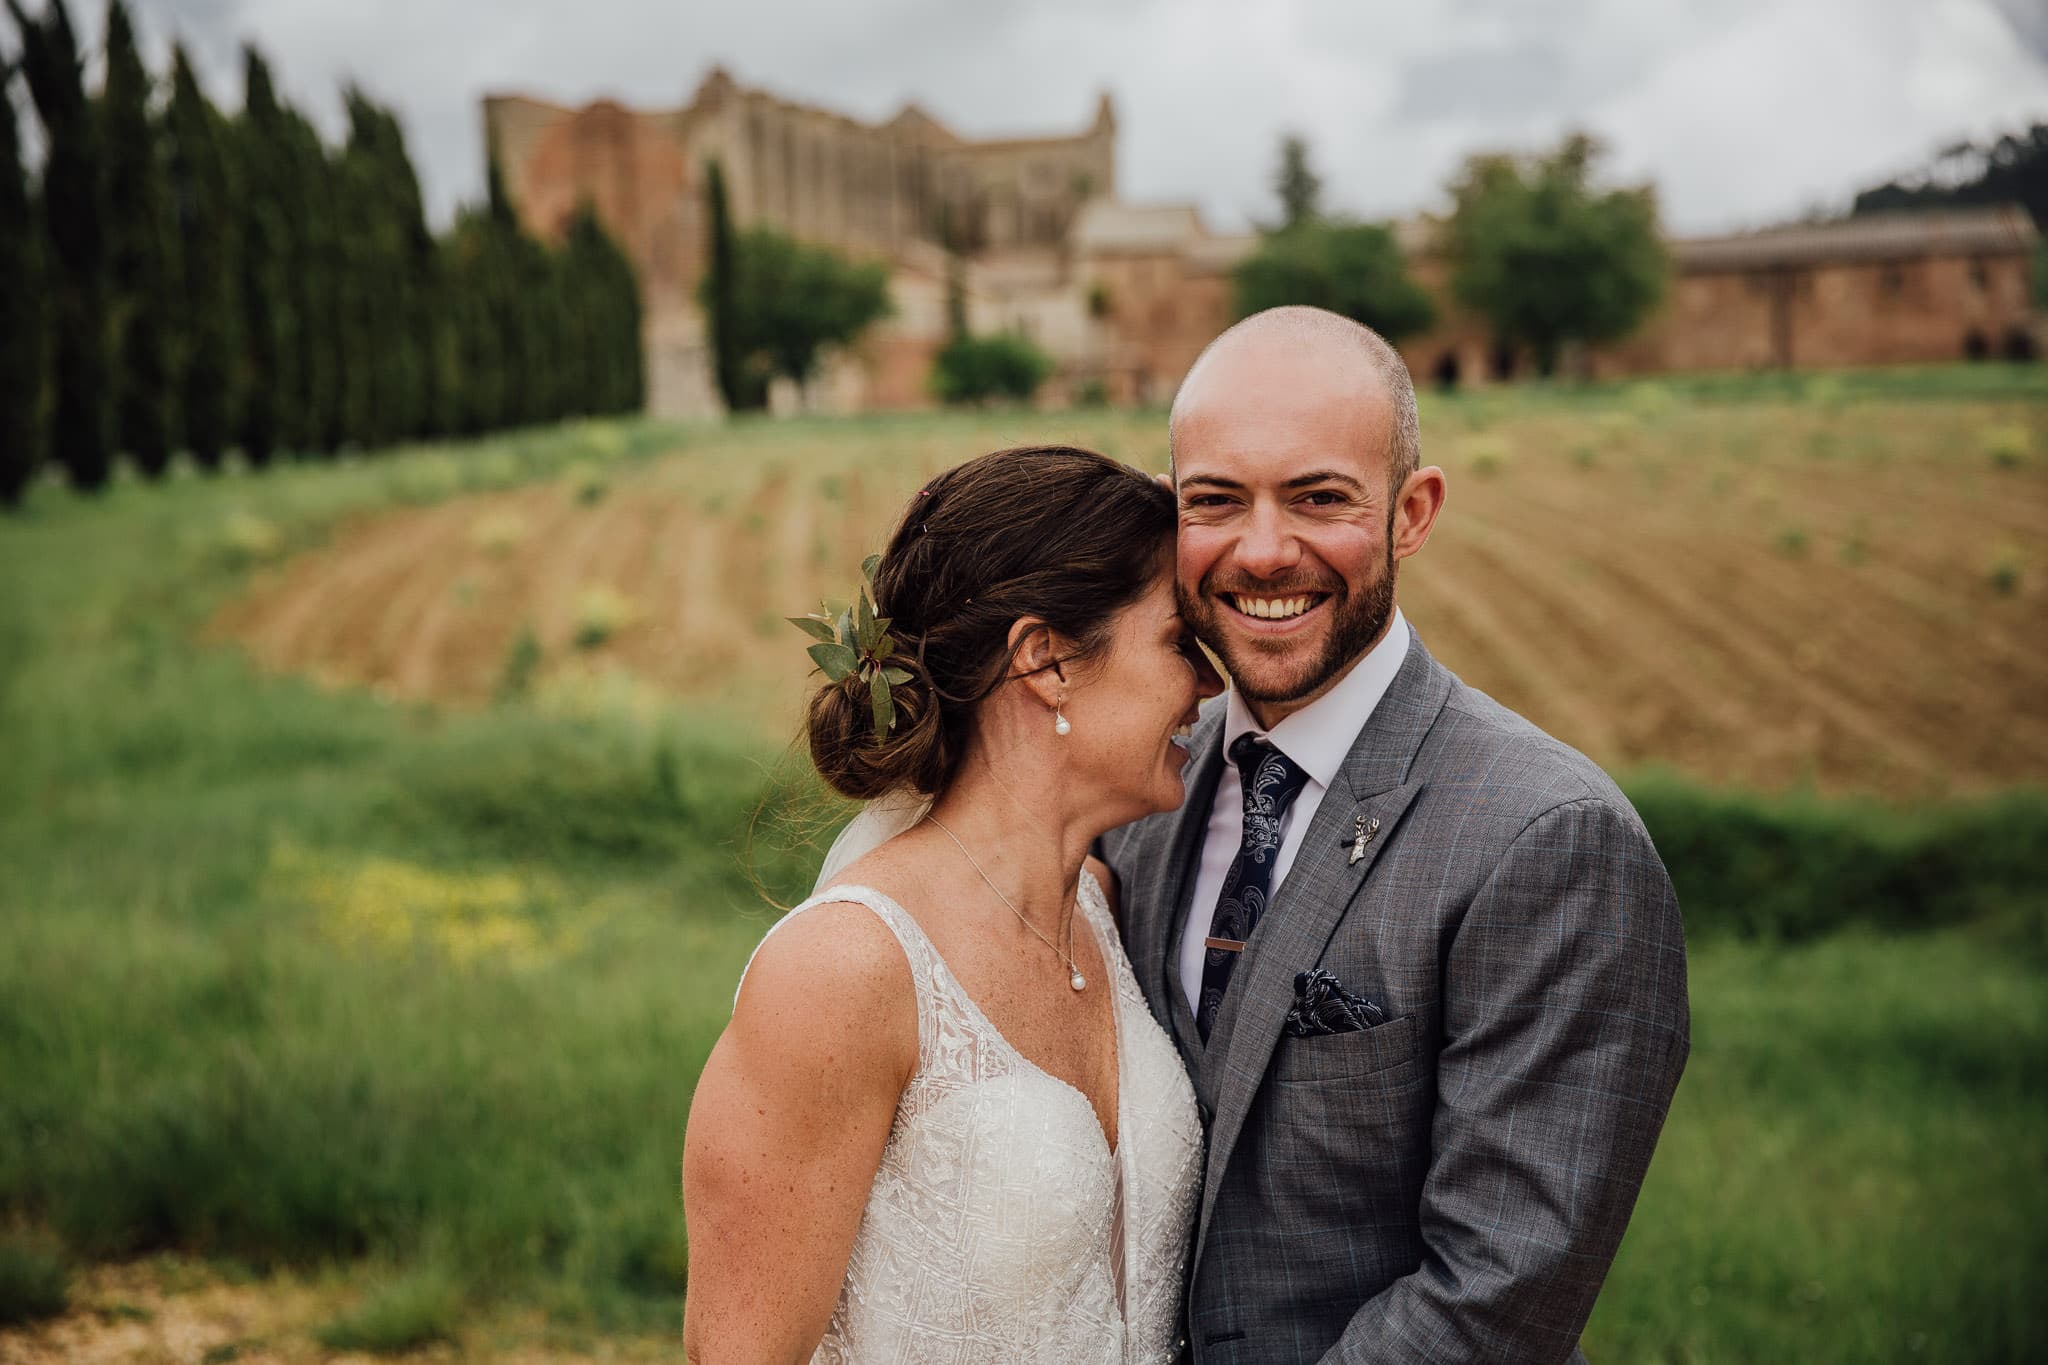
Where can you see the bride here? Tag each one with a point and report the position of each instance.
(942, 1124)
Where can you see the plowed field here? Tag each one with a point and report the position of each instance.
(1847, 595)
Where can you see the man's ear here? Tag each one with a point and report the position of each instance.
(1416, 508)
(1036, 652)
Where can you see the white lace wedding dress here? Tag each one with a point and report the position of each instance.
(1001, 1227)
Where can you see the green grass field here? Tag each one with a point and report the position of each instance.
(294, 977)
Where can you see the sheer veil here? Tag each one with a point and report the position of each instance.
(879, 821)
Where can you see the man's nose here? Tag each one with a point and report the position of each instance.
(1266, 549)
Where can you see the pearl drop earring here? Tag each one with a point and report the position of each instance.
(1060, 724)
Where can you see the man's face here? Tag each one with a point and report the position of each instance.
(1286, 550)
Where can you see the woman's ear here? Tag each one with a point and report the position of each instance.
(1036, 651)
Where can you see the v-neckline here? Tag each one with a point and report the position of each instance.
(1116, 1021)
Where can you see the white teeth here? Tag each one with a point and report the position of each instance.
(1273, 608)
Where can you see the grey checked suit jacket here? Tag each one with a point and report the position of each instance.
(1450, 1185)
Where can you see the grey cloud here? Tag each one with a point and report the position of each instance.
(2029, 19)
(1485, 82)
(1391, 99)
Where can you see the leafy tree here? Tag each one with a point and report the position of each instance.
(205, 222)
(971, 369)
(728, 362)
(1300, 188)
(1545, 258)
(791, 300)
(21, 313)
(139, 246)
(1355, 269)
(74, 209)
(2041, 274)
(2012, 169)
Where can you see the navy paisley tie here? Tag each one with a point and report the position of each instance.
(1271, 782)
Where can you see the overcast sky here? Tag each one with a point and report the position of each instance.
(1744, 112)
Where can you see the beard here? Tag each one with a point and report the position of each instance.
(1276, 677)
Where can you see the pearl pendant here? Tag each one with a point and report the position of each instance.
(1078, 981)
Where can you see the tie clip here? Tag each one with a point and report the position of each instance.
(1228, 945)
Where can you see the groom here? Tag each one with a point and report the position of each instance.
(1422, 961)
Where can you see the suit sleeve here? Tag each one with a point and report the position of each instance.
(1565, 1028)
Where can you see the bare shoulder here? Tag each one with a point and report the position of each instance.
(835, 972)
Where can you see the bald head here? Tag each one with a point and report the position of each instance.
(1307, 346)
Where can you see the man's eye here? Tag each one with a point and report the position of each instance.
(1325, 498)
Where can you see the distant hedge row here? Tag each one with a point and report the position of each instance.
(1794, 867)
(172, 278)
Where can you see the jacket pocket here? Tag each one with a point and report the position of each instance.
(1345, 1056)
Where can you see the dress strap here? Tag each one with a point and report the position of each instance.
(917, 951)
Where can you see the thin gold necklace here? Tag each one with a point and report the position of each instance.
(1077, 981)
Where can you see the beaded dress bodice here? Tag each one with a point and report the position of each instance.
(1001, 1226)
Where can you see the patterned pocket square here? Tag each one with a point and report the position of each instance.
(1322, 1006)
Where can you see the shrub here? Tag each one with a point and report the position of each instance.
(522, 662)
(1792, 542)
(1796, 866)
(2006, 445)
(2005, 571)
(586, 483)
(976, 369)
(1487, 456)
(1091, 393)
(418, 1310)
(246, 538)
(497, 532)
(33, 1281)
(602, 611)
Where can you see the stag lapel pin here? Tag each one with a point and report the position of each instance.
(1362, 834)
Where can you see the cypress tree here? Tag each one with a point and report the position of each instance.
(406, 251)
(269, 341)
(627, 391)
(511, 303)
(392, 249)
(21, 314)
(138, 243)
(597, 315)
(359, 305)
(74, 209)
(309, 201)
(479, 344)
(203, 212)
(726, 360)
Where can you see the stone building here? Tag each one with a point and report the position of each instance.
(889, 190)
(1124, 296)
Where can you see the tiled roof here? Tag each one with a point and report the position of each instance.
(1897, 235)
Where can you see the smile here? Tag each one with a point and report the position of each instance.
(1274, 608)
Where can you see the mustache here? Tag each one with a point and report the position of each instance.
(1282, 589)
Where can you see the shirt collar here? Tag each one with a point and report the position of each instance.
(1319, 735)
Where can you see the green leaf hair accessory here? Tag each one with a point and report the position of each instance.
(855, 643)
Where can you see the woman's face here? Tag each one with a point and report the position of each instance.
(1131, 705)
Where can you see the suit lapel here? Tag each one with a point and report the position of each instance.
(1374, 784)
(1170, 915)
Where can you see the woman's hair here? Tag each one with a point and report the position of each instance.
(1053, 532)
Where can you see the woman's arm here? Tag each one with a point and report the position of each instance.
(786, 1131)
